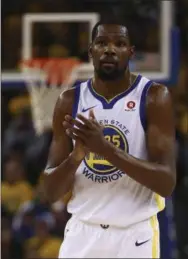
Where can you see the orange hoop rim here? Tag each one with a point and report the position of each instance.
(58, 70)
(44, 61)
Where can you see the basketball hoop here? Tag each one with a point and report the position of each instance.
(45, 80)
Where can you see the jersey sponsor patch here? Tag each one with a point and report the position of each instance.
(130, 106)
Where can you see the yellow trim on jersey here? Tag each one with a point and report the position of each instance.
(67, 197)
(108, 101)
(93, 161)
(155, 237)
(160, 202)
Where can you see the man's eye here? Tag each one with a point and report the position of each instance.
(121, 44)
(101, 43)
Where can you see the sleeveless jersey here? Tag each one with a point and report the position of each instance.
(102, 193)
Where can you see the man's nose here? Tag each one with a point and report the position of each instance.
(110, 49)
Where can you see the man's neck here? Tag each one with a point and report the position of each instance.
(110, 89)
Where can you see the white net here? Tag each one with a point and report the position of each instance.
(45, 80)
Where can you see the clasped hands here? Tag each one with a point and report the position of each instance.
(88, 131)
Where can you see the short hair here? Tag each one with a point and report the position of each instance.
(108, 20)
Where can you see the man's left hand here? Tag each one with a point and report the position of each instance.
(89, 131)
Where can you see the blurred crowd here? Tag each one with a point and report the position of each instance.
(31, 227)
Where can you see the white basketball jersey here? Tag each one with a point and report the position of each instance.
(102, 193)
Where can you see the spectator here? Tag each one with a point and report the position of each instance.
(19, 132)
(10, 247)
(23, 222)
(43, 244)
(15, 189)
(181, 191)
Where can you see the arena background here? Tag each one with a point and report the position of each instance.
(61, 29)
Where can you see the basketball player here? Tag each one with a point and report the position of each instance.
(113, 144)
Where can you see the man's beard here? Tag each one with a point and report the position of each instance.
(110, 74)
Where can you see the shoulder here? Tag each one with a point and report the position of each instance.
(66, 97)
(159, 102)
(158, 94)
(66, 100)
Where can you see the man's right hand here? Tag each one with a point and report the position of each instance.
(79, 151)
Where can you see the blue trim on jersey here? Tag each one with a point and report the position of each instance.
(109, 104)
(76, 100)
(143, 105)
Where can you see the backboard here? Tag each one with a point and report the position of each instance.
(159, 62)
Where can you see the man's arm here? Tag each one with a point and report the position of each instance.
(61, 167)
(159, 173)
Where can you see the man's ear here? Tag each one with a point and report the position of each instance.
(90, 51)
(132, 52)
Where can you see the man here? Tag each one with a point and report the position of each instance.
(14, 185)
(121, 162)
